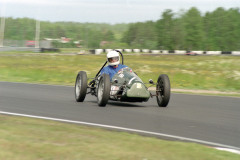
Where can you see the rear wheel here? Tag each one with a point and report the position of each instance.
(81, 86)
(163, 90)
(103, 91)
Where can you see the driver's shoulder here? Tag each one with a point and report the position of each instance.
(107, 67)
(123, 66)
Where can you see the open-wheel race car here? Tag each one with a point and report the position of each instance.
(125, 86)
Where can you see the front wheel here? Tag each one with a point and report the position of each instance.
(103, 91)
(163, 90)
(81, 86)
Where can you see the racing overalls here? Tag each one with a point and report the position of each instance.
(111, 71)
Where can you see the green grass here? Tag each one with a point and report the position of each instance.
(26, 138)
(188, 72)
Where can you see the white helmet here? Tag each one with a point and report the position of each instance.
(113, 58)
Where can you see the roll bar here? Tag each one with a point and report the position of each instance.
(120, 54)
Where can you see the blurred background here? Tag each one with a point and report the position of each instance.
(155, 24)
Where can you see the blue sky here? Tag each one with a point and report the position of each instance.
(104, 11)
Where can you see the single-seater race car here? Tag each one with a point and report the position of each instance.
(125, 86)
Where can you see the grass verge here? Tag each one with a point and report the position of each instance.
(28, 138)
(220, 73)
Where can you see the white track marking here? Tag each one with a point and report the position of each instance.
(229, 150)
(220, 146)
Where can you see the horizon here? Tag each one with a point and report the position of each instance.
(32, 18)
(105, 11)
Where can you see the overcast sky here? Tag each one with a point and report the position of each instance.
(107, 11)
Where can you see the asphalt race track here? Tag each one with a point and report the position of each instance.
(209, 118)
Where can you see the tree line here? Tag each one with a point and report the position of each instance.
(89, 34)
(190, 30)
(185, 30)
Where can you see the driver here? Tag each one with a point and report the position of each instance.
(113, 64)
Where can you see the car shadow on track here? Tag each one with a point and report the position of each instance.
(125, 104)
(121, 104)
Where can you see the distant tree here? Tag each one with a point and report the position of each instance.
(178, 34)
(141, 35)
(233, 30)
(165, 30)
(108, 36)
(193, 29)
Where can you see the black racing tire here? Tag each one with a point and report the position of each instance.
(81, 86)
(103, 91)
(163, 90)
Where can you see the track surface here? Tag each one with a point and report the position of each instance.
(209, 118)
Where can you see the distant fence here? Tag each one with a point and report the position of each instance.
(30, 49)
(23, 45)
(99, 51)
